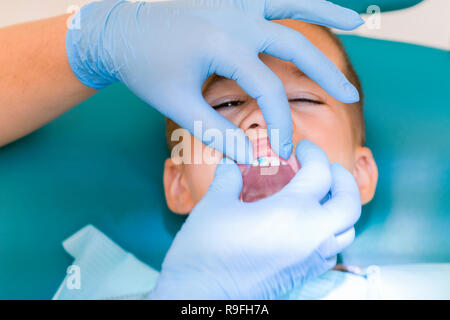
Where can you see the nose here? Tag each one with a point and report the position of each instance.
(253, 118)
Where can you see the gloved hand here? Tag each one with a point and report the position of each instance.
(164, 51)
(229, 249)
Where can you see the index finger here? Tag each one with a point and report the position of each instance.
(315, 11)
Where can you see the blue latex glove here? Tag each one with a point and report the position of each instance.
(164, 51)
(228, 249)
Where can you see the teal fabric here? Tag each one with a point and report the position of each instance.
(101, 164)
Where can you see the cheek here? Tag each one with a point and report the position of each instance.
(199, 176)
(329, 132)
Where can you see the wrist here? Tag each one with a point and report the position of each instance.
(86, 45)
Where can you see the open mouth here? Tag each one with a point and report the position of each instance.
(268, 174)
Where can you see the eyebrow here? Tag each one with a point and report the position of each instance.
(214, 79)
(211, 81)
(297, 72)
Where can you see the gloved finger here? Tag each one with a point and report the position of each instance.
(314, 11)
(201, 118)
(287, 44)
(316, 265)
(227, 183)
(314, 177)
(344, 208)
(258, 81)
(335, 244)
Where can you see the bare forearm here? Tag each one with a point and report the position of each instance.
(36, 82)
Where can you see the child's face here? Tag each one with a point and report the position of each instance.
(316, 116)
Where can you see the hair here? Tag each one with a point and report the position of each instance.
(355, 110)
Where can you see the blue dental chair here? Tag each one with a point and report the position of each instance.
(101, 164)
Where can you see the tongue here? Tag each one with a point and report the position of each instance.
(260, 182)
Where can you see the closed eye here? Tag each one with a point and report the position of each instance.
(236, 103)
(228, 104)
(305, 100)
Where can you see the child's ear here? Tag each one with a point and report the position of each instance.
(178, 195)
(365, 172)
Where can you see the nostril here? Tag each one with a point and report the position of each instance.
(254, 125)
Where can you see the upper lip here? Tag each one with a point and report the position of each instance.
(264, 155)
(262, 149)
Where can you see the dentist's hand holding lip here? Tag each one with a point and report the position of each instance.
(228, 249)
(164, 52)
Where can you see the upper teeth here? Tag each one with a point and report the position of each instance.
(266, 161)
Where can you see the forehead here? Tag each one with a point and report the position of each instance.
(317, 35)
